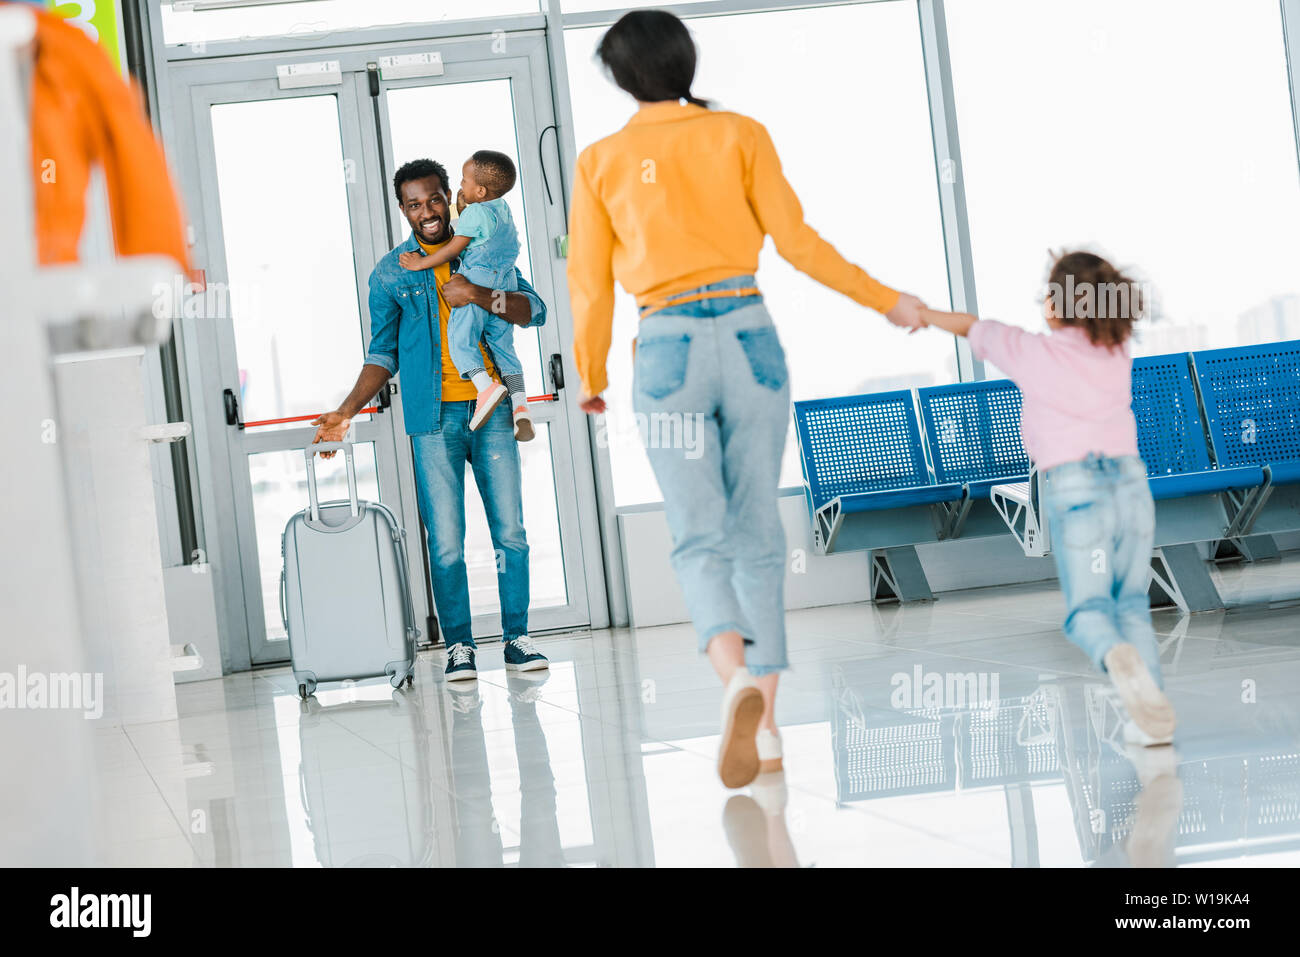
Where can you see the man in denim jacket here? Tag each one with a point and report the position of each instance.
(408, 330)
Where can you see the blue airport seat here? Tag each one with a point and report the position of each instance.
(1251, 396)
(1285, 473)
(1204, 483)
(972, 431)
(1171, 435)
(1252, 405)
(901, 497)
(860, 444)
(868, 486)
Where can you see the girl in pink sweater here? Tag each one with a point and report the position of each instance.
(1077, 426)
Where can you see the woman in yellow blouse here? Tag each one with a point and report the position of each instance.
(676, 206)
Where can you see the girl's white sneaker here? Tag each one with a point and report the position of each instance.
(769, 751)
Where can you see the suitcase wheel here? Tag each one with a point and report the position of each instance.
(410, 680)
(302, 691)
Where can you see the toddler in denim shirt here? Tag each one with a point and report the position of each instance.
(487, 245)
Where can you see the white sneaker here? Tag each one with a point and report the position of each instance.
(1146, 705)
(769, 751)
(742, 709)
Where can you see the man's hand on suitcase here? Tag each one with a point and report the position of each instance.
(331, 427)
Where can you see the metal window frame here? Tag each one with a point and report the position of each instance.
(1291, 46)
(552, 19)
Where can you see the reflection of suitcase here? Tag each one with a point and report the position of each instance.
(344, 592)
(384, 816)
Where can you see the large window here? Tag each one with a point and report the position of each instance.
(186, 22)
(1156, 133)
(842, 91)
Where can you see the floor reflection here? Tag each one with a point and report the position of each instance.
(608, 760)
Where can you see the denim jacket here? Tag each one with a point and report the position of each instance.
(405, 333)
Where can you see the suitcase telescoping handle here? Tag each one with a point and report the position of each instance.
(346, 449)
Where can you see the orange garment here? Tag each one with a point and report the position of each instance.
(454, 388)
(84, 114)
(680, 197)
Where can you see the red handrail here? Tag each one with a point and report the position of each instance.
(548, 397)
(299, 418)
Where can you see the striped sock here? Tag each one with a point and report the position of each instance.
(514, 383)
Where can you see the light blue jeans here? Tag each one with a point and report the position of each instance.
(469, 324)
(712, 397)
(1102, 523)
(493, 454)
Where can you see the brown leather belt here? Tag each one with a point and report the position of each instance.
(682, 298)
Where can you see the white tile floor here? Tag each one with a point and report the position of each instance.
(610, 760)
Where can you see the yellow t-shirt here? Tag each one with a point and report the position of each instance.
(454, 388)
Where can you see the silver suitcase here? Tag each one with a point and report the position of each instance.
(344, 591)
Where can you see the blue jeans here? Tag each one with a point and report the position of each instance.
(712, 397)
(469, 324)
(1102, 523)
(493, 454)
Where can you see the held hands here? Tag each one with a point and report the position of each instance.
(331, 427)
(907, 313)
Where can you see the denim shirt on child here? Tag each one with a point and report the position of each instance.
(489, 260)
(405, 332)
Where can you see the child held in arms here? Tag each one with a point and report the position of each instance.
(487, 244)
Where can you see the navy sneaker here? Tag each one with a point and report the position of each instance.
(460, 663)
(522, 655)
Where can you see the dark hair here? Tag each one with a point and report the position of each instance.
(420, 169)
(494, 170)
(1089, 292)
(651, 55)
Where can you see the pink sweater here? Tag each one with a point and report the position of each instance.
(1077, 396)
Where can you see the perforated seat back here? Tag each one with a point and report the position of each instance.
(859, 443)
(1252, 402)
(972, 430)
(1170, 434)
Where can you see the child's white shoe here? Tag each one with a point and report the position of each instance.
(523, 425)
(488, 400)
(769, 751)
(1152, 715)
(742, 709)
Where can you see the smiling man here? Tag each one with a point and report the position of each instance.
(408, 330)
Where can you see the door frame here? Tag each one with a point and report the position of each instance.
(229, 64)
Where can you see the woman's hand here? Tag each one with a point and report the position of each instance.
(907, 312)
(591, 404)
